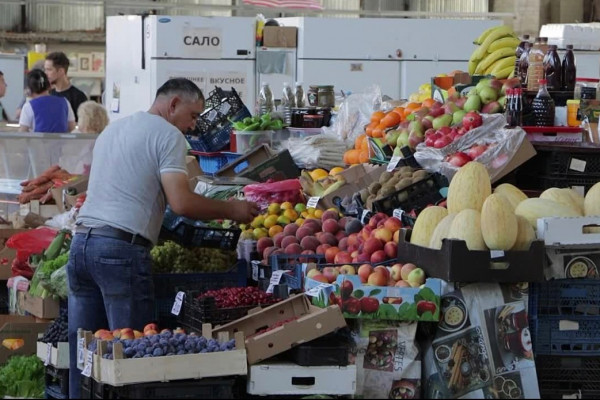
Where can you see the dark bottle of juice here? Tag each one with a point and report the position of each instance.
(517, 107)
(543, 106)
(519, 52)
(524, 64)
(569, 70)
(553, 69)
(508, 113)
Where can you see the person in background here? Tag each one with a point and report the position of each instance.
(56, 66)
(3, 85)
(138, 168)
(45, 113)
(92, 117)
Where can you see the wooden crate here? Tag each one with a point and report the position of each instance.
(57, 357)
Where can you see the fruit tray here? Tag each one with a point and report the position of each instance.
(213, 127)
(563, 317)
(568, 375)
(414, 197)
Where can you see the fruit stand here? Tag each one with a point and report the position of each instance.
(439, 252)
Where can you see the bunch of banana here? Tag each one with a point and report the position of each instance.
(321, 187)
(496, 53)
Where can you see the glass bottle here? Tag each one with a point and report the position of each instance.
(569, 70)
(519, 52)
(553, 69)
(508, 113)
(524, 64)
(265, 99)
(299, 95)
(518, 107)
(287, 103)
(543, 106)
(535, 70)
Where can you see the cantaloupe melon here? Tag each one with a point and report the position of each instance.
(469, 188)
(561, 196)
(467, 226)
(513, 194)
(426, 222)
(498, 223)
(532, 209)
(441, 231)
(525, 234)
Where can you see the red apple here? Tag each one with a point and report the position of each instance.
(342, 257)
(391, 250)
(392, 224)
(402, 284)
(330, 273)
(458, 159)
(472, 120)
(476, 150)
(376, 218)
(377, 257)
(364, 271)
(406, 270)
(382, 269)
(365, 233)
(330, 254)
(372, 245)
(363, 257)
(384, 234)
(322, 248)
(377, 279)
(320, 278)
(353, 240)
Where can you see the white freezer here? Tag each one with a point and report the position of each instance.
(416, 73)
(270, 72)
(13, 68)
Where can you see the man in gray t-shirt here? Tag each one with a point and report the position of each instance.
(138, 168)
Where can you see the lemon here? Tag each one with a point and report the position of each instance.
(336, 170)
(287, 206)
(274, 230)
(311, 211)
(291, 214)
(299, 221)
(318, 213)
(259, 233)
(270, 221)
(318, 173)
(283, 220)
(274, 209)
(258, 221)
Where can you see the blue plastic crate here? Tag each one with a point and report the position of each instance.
(212, 162)
(573, 300)
(293, 263)
(166, 287)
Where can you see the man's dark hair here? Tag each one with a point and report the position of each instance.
(37, 81)
(182, 87)
(59, 60)
(1, 74)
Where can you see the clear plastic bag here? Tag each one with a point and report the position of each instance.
(504, 144)
(274, 192)
(354, 113)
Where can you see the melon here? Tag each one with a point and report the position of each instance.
(498, 223)
(532, 209)
(441, 231)
(467, 226)
(525, 234)
(563, 197)
(577, 198)
(469, 188)
(426, 222)
(591, 204)
(513, 194)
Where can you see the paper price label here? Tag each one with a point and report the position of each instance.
(496, 253)
(312, 202)
(393, 163)
(225, 107)
(275, 279)
(314, 292)
(398, 213)
(48, 354)
(89, 361)
(579, 189)
(577, 165)
(80, 344)
(177, 304)
(364, 216)
(255, 270)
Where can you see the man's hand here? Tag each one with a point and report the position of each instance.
(243, 211)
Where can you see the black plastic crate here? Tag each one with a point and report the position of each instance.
(332, 349)
(567, 394)
(211, 388)
(568, 374)
(195, 312)
(293, 263)
(54, 392)
(213, 128)
(569, 162)
(414, 197)
(57, 380)
(87, 388)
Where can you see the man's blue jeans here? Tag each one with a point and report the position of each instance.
(110, 286)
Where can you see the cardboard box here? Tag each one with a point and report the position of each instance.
(455, 263)
(311, 322)
(524, 153)
(571, 252)
(58, 356)
(283, 378)
(20, 327)
(203, 184)
(193, 170)
(555, 137)
(261, 165)
(280, 36)
(64, 201)
(43, 210)
(124, 371)
(47, 308)
(389, 302)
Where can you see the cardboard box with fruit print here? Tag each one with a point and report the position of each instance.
(364, 300)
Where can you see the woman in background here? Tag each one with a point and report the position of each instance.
(92, 117)
(45, 113)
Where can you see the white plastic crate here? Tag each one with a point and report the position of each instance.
(581, 36)
(291, 379)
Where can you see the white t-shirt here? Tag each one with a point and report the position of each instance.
(27, 118)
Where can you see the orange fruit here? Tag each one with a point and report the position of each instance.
(363, 156)
(369, 128)
(379, 131)
(400, 111)
(377, 115)
(364, 145)
(351, 156)
(413, 105)
(358, 141)
(274, 230)
(428, 102)
(390, 119)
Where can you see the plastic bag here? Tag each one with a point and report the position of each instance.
(504, 144)
(275, 192)
(355, 112)
(31, 242)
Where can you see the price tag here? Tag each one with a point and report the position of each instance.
(80, 346)
(364, 216)
(177, 304)
(579, 189)
(312, 202)
(48, 354)
(275, 279)
(398, 213)
(393, 163)
(577, 165)
(255, 270)
(225, 107)
(496, 253)
(89, 361)
(314, 292)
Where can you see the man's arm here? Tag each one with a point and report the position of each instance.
(189, 204)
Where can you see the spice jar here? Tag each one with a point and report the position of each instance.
(312, 96)
(326, 97)
(586, 88)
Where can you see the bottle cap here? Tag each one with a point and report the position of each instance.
(569, 47)
(298, 83)
(525, 36)
(543, 81)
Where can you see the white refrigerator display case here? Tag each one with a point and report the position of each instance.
(397, 54)
(144, 52)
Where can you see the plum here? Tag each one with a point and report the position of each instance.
(157, 352)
